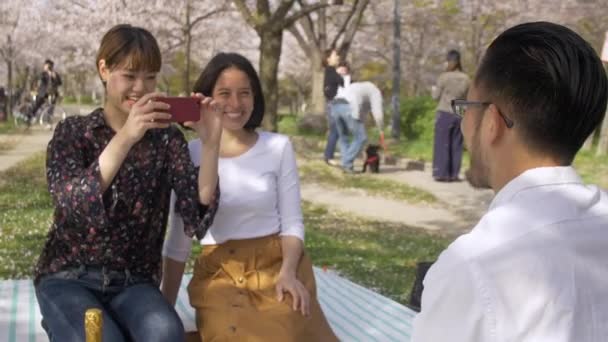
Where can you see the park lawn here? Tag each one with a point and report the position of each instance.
(378, 255)
(320, 173)
(8, 127)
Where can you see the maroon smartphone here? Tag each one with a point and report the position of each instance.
(183, 108)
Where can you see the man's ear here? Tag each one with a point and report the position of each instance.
(104, 71)
(496, 124)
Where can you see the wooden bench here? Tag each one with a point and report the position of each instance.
(354, 312)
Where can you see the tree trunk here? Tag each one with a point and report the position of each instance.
(186, 85)
(9, 91)
(396, 117)
(9, 82)
(317, 99)
(270, 54)
(188, 33)
(602, 146)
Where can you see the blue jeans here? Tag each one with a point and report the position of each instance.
(332, 137)
(132, 310)
(348, 126)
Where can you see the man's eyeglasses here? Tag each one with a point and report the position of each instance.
(459, 106)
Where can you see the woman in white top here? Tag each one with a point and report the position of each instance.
(253, 280)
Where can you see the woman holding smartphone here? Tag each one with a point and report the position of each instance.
(110, 175)
(253, 280)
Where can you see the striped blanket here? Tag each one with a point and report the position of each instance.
(354, 312)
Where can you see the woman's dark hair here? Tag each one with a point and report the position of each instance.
(550, 82)
(326, 55)
(453, 58)
(222, 61)
(129, 46)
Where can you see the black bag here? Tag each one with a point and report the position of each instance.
(417, 288)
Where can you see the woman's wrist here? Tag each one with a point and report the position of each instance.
(287, 271)
(124, 139)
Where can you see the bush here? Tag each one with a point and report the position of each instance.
(418, 118)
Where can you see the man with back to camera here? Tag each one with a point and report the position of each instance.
(535, 267)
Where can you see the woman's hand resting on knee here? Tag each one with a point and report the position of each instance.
(290, 284)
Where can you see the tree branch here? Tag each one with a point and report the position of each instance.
(301, 41)
(282, 10)
(206, 16)
(342, 29)
(352, 26)
(263, 8)
(302, 12)
(246, 13)
(171, 16)
(308, 25)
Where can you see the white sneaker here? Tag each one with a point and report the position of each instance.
(332, 162)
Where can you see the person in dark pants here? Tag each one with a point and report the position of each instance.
(447, 149)
(48, 86)
(331, 82)
(3, 100)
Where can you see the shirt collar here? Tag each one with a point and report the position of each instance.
(95, 119)
(534, 178)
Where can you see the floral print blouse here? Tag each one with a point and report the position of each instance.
(122, 229)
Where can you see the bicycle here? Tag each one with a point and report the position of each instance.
(43, 116)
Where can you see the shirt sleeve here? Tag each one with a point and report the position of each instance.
(177, 244)
(455, 306)
(290, 210)
(438, 89)
(74, 182)
(184, 177)
(376, 106)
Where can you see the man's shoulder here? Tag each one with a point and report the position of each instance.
(489, 234)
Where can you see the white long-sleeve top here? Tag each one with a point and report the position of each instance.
(535, 268)
(260, 196)
(357, 93)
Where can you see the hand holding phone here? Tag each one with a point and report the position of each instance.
(183, 108)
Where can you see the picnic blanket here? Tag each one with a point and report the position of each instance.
(354, 312)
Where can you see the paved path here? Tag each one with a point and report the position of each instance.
(30, 142)
(458, 209)
(25, 145)
(377, 207)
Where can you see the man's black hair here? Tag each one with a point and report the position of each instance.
(550, 82)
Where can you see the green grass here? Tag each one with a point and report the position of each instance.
(593, 169)
(26, 212)
(8, 127)
(318, 172)
(377, 255)
(287, 124)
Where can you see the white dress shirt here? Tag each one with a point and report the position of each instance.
(259, 196)
(535, 268)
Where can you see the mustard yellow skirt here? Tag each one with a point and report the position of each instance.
(233, 292)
